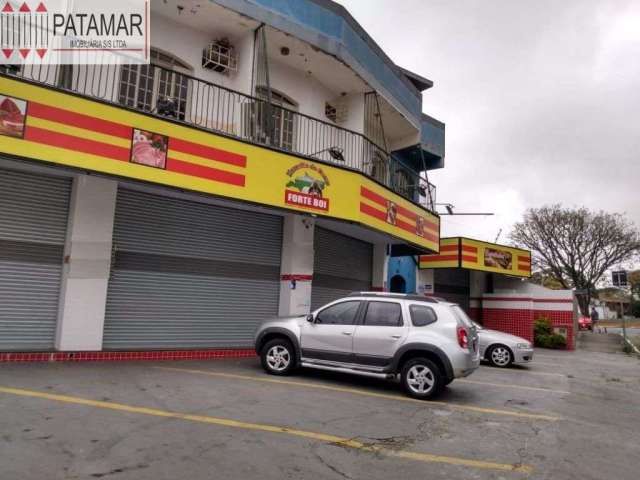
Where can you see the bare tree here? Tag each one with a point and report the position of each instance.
(575, 245)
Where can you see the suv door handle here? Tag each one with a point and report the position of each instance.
(346, 333)
(396, 336)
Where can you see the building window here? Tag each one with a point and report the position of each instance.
(331, 112)
(164, 80)
(283, 118)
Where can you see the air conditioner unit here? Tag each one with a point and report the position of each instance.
(220, 56)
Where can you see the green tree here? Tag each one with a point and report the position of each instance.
(576, 246)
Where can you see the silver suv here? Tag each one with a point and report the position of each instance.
(426, 341)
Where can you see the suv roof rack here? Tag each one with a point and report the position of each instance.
(402, 296)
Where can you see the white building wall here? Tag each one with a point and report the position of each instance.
(85, 274)
(187, 44)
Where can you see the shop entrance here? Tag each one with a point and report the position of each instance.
(398, 284)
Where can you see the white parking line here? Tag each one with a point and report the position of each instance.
(520, 371)
(355, 391)
(510, 385)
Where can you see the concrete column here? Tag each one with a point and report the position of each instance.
(296, 268)
(87, 263)
(380, 268)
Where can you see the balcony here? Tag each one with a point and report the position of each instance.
(186, 99)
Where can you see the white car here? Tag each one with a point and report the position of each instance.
(503, 349)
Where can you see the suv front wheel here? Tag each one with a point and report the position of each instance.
(278, 357)
(421, 378)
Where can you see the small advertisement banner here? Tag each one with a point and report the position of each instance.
(92, 32)
(459, 252)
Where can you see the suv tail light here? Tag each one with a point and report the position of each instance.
(463, 337)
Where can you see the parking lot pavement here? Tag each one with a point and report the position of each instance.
(570, 415)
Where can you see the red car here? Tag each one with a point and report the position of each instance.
(584, 323)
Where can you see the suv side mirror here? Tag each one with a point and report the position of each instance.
(310, 318)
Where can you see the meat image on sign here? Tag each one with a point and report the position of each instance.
(498, 258)
(12, 116)
(149, 149)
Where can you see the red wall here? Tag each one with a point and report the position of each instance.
(515, 322)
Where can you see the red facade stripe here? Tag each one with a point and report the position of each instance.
(407, 213)
(380, 200)
(380, 215)
(469, 248)
(373, 212)
(438, 258)
(210, 153)
(524, 260)
(69, 142)
(296, 276)
(470, 258)
(102, 356)
(373, 196)
(79, 120)
(208, 173)
(448, 248)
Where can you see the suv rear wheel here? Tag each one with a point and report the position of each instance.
(421, 378)
(278, 357)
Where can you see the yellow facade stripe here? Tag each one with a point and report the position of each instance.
(405, 219)
(398, 200)
(205, 162)
(445, 264)
(266, 174)
(394, 230)
(87, 161)
(78, 132)
(395, 398)
(320, 437)
(511, 385)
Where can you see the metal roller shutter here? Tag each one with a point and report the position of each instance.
(341, 265)
(190, 275)
(33, 225)
(453, 284)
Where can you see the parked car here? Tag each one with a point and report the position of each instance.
(585, 323)
(426, 342)
(503, 349)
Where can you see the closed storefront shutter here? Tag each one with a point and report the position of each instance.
(341, 265)
(453, 284)
(33, 225)
(189, 275)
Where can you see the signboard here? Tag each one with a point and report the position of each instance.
(459, 252)
(62, 32)
(55, 127)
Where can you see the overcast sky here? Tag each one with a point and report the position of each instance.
(541, 99)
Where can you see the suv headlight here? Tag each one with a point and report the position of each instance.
(524, 346)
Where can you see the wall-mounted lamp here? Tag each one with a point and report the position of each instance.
(334, 152)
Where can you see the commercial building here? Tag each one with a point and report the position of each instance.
(269, 159)
(490, 282)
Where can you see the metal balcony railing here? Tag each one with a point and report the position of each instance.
(171, 94)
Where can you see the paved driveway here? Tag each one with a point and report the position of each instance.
(569, 415)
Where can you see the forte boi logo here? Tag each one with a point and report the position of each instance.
(306, 186)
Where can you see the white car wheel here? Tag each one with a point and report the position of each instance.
(500, 356)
